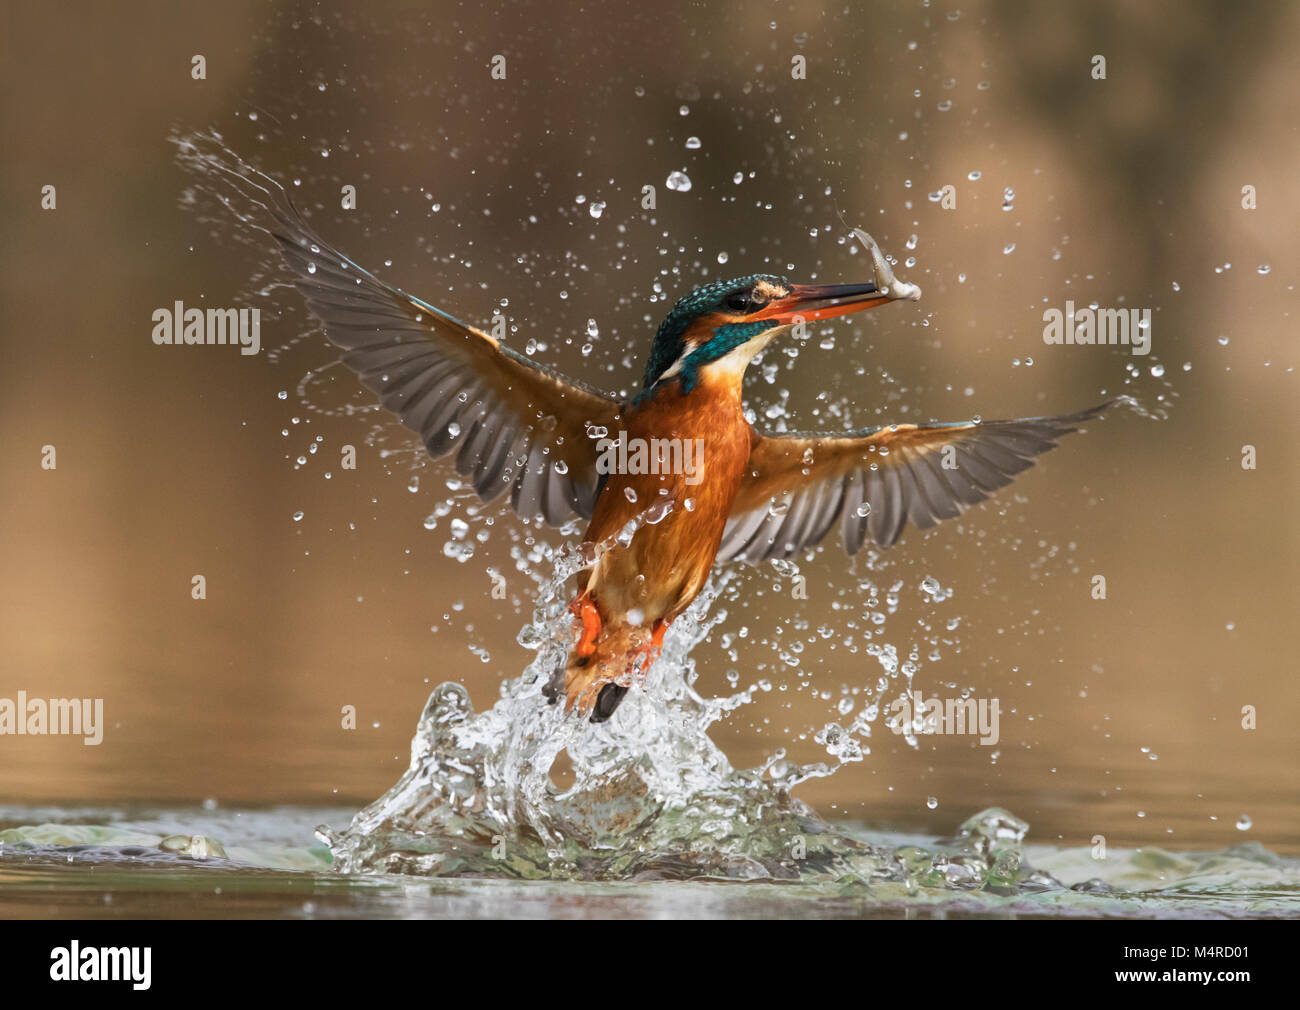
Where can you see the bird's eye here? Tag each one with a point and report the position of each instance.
(744, 302)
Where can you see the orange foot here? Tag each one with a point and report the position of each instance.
(585, 610)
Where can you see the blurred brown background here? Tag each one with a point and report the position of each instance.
(1121, 717)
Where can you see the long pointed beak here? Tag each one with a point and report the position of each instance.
(823, 301)
(826, 301)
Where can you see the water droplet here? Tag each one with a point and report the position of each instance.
(738, 178)
(596, 209)
(311, 268)
(629, 494)
(1223, 341)
(459, 550)
(679, 182)
(723, 257)
(1264, 268)
(1157, 370)
(297, 517)
(931, 802)
(283, 394)
(864, 510)
(974, 175)
(692, 143)
(1244, 823)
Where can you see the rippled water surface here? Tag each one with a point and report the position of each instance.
(254, 863)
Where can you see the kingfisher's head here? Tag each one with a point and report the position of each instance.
(718, 328)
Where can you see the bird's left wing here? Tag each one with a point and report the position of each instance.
(514, 424)
(872, 481)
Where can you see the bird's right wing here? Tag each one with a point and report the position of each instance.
(513, 424)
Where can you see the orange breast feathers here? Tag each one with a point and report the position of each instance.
(674, 470)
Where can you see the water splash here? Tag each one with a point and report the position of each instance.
(651, 795)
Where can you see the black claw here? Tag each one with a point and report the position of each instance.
(610, 697)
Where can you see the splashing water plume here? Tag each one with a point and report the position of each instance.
(651, 794)
(652, 797)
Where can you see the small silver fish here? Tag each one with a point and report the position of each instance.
(889, 285)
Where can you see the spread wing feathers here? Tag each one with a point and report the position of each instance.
(871, 482)
(514, 425)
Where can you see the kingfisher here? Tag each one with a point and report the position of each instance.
(658, 521)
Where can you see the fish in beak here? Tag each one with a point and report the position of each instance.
(826, 301)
